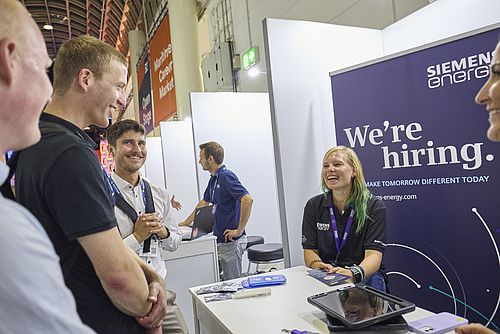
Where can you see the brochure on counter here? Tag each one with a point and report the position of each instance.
(326, 278)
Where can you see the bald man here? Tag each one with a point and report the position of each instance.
(33, 297)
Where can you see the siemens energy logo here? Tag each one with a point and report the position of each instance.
(457, 71)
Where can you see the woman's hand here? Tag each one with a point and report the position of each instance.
(344, 271)
(324, 266)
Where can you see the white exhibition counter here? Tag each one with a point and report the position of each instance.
(193, 263)
(286, 307)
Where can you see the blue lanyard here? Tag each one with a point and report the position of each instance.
(113, 188)
(217, 175)
(335, 230)
(143, 194)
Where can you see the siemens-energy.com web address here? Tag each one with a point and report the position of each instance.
(397, 198)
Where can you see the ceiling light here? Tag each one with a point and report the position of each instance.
(48, 27)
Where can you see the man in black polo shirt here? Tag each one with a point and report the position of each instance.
(33, 296)
(61, 182)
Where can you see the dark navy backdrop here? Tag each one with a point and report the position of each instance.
(145, 100)
(444, 217)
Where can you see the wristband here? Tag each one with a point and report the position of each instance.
(362, 272)
(357, 276)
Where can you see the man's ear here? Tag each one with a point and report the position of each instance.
(111, 150)
(85, 77)
(7, 51)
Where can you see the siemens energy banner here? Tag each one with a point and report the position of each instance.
(422, 141)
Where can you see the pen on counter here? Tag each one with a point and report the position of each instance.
(252, 293)
(296, 331)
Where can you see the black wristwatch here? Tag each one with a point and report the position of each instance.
(357, 275)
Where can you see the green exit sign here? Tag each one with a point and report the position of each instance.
(249, 58)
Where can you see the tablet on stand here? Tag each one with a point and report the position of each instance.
(360, 306)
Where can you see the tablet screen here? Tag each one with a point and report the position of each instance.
(360, 306)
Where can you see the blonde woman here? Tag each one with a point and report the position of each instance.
(344, 228)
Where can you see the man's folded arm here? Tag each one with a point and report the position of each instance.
(120, 274)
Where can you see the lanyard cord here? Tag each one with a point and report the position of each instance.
(217, 175)
(115, 191)
(340, 244)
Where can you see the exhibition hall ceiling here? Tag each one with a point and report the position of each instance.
(103, 19)
(110, 20)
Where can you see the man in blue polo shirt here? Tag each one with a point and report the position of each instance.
(232, 205)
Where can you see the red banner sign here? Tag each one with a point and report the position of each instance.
(162, 72)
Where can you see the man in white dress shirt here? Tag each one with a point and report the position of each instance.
(143, 210)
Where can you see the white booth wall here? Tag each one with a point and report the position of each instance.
(300, 56)
(153, 167)
(179, 165)
(241, 123)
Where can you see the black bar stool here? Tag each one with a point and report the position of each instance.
(254, 240)
(264, 254)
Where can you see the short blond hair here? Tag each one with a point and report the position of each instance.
(79, 53)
